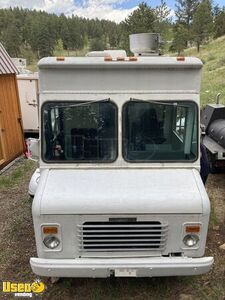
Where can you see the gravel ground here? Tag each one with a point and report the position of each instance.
(17, 245)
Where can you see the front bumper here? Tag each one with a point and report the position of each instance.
(105, 267)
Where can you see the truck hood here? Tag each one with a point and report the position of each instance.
(121, 191)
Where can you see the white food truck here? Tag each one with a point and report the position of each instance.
(119, 191)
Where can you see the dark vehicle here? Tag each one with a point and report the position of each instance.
(213, 126)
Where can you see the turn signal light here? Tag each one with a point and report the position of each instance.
(193, 229)
(50, 230)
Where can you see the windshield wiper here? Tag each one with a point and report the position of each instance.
(174, 104)
(82, 103)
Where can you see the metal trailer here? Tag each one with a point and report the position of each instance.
(118, 190)
(28, 94)
(213, 128)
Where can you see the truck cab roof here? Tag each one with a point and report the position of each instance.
(148, 74)
(141, 62)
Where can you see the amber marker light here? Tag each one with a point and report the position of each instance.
(192, 228)
(133, 58)
(60, 58)
(180, 58)
(108, 58)
(50, 229)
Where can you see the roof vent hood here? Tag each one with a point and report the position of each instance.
(145, 44)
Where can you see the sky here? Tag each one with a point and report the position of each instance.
(114, 10)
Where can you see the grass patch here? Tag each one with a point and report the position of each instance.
(15, 175)
(213, 218)
(213, 58)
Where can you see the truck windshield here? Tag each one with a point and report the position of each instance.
(79, 131)
(160, 131)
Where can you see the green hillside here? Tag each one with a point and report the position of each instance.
(213, 58)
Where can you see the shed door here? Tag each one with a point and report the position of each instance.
(11, 135)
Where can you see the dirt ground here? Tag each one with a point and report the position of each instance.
(17, 245)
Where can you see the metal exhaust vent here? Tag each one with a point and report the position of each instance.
(146, 44)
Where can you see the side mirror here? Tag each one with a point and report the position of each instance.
(33, 148)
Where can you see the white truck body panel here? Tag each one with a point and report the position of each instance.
(116, 191)
(147, 74)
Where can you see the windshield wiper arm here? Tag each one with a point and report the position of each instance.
(174, 104)
(82, 103)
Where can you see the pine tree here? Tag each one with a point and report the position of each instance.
(185, 10)
(58, 49)
(181, 35)
(162, 12)
(163, 23)
(202, 26)
(45, 41)
(64, 31)
(12, 39)
(219, 23)
(141, 20)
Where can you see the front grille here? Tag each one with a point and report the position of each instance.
(122, 236)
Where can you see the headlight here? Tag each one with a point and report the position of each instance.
(51, 242)
(190, 240)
